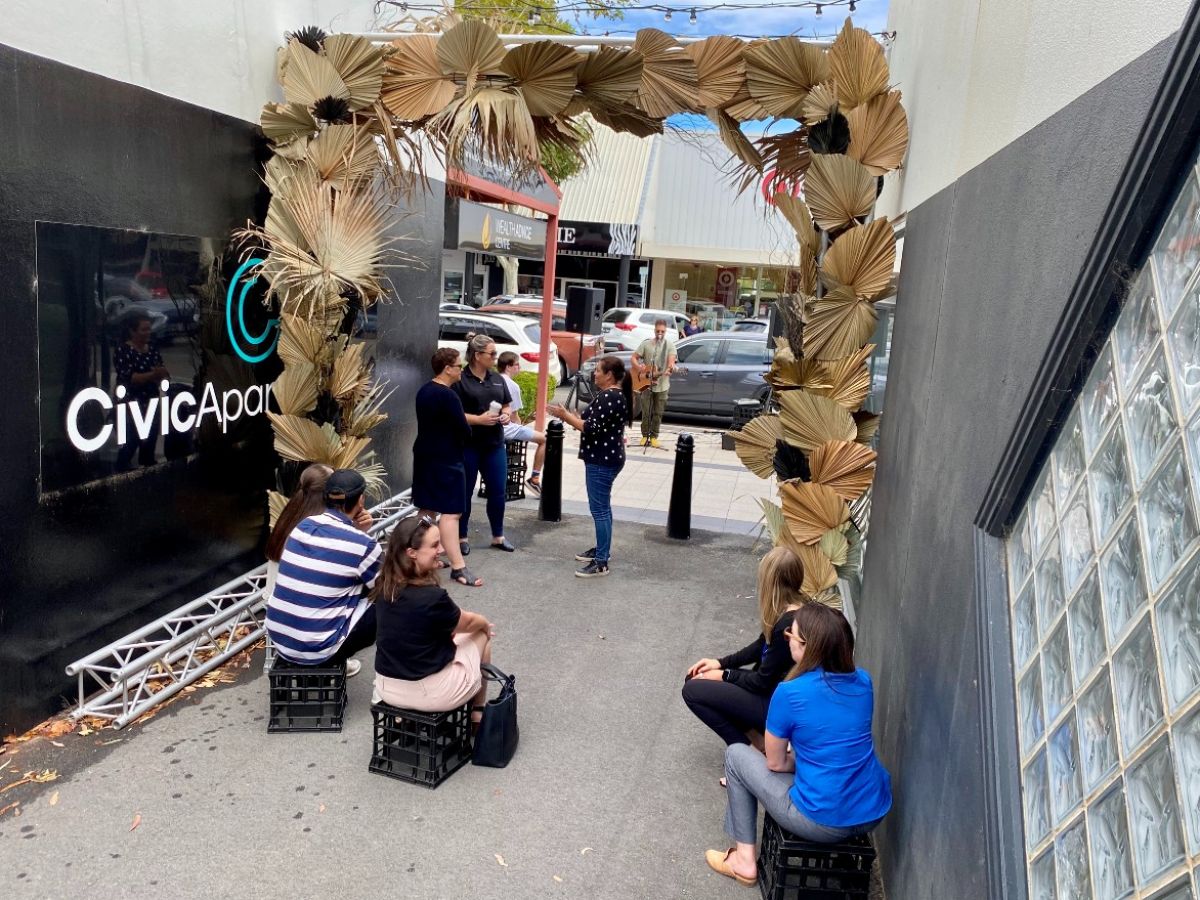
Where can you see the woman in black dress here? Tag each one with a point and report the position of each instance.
(438, 476)
(486, 401)
(140, 370)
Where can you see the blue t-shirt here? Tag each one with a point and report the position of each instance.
(827, 718)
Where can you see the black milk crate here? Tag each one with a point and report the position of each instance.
(514, 483)
(745, 411)
(306, 698)
(420, 747)
(792, 869)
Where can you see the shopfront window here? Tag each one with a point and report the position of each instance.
(1104, 579)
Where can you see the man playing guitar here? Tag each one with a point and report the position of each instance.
(653, 365)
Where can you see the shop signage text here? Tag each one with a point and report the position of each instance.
(597, 238)
(485, 229)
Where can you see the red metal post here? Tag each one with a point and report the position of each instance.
(547, 319)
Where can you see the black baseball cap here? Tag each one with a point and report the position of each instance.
(344, 484)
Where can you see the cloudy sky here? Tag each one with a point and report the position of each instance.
(777, 19)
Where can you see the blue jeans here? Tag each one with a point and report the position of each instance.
(750, 781)
(599, 480)
(492, 462)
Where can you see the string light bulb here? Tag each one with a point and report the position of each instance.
(692, 17)
(667, 16)
(534, 17)
(853, 6)
(818, 10)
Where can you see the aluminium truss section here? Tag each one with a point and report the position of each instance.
(145, 667)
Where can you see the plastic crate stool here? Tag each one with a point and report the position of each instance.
(420, 747)
(792, 869)
(306, 698)
(514, 482)
(745, 411)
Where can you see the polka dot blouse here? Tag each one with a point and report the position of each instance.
(603, 439)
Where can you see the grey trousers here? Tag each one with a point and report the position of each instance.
(751, 782)
(653, 404)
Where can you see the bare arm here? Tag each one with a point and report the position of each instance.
(470, 622)
(779, 758)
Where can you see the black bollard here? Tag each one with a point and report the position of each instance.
(550, 507)
(679, 515)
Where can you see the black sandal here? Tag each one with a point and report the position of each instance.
(465, 576)
(464, 547)
(504, 545)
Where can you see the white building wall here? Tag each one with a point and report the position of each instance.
(218, 54)
(977, 75)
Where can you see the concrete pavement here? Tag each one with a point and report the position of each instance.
(613, 792)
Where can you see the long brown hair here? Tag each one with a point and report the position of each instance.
(828, 640)
(399, 570)
(307, 501)
(780, 575)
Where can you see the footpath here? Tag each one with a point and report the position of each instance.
(613, 792)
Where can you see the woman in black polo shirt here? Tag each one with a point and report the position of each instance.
(602, 449)
(479, 388)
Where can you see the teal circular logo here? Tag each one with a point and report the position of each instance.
(246, 345)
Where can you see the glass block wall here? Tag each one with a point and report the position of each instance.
(1104, 581)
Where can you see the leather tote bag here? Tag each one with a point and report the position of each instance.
(496, 739)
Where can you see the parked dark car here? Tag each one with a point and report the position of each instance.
(721, 367)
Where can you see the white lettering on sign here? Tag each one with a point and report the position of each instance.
(566, 235)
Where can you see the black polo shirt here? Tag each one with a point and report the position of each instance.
(477, 395)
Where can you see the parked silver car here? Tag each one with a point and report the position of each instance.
(721, 367)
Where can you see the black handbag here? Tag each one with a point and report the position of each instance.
(496, 739)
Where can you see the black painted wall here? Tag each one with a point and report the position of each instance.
(988, 264)
(77, 572)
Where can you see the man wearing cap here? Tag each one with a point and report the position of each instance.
(319, 611)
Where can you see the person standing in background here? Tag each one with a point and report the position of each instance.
(140, 370)
(693, 326)
(656, 358)
(508, 365)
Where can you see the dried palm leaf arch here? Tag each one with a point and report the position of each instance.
(360, 112)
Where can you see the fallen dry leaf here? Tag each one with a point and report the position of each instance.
(54, 799)
(57, 744)
(84, 731)
(500, 859)
(137, 820)
(556, 878)
(584, 851)
(5, 809)
(321, 808)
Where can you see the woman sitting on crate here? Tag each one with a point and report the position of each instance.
(427, 650)
(308, 500)
(828, 785)
(732, 700)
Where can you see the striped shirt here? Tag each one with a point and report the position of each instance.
(327, 568)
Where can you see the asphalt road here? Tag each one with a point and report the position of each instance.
(613, 792)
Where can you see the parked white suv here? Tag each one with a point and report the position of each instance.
(520, 334)
(626, 327)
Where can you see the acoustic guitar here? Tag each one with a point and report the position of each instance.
(644, 377)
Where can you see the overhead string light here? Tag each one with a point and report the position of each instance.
(667, 16)
(853, 5)
(692, 17)
(818, 9)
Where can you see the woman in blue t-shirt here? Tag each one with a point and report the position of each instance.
(828, 785)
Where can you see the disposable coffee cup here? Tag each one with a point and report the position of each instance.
(494, 407)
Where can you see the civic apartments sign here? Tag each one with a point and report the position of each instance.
(485, 229)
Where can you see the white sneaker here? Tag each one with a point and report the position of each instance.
(353, 667)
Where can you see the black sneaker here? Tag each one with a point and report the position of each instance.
(586, 555)
(592, 570)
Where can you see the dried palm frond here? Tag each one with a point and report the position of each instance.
(849, 378)
(299, 342)
(286, 122)
(787, 154)
(854, 554)
(811, 510)
(414, 85)
(360, 65)
(829, 597)
(719, 69)
(311, 36)
(839, 191)
(545, 74)
(781, 72)
(879, 133)
(862, 259)
(867, 425)
(607, 78)
(797, 213)
(745, 108)
(772, 519)
(303, 440)
(669, 77)
(819, 574)
(846, 468)
(791, 308)
(344, 154)
(296, 389)
(858, 66)
(468, 50)
(821, 103)
(835, 546)
(628, 119)
(838, 325)
(789, 373)
(733, 138)
(755, 444)
(790, 463)
(809, 420)
(351, 379)
(493, 118)
(347, 455)
(277, 170)
(831, 135)
(309, 77)
(374, 475)
(368, 412)
(275, 504)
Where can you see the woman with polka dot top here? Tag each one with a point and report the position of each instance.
(602, 449)
(140, 371)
